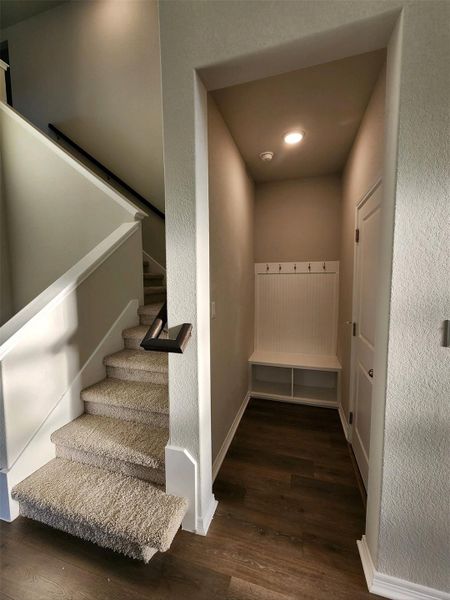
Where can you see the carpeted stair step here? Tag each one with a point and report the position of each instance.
(151, 279)
(135, 449)
(112, 510)
(146, 266)
(128, 400)
(133, 336)
(154, 294)
(135, 365)
(148, 312)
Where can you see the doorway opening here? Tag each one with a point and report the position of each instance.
(295, 190)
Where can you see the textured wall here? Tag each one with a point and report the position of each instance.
(298, 219)
(93, 69)
(232, 42)
(231, 203)
(363, 169)
(414, 511)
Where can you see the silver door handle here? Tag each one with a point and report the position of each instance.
(370, 372)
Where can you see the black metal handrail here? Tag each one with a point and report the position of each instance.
(110, 174)
(152, 343)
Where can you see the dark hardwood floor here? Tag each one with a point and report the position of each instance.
(290, 512)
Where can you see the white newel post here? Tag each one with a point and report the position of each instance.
(3, 68)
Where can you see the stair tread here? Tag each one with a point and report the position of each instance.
(128, 441)
(138, 333)
(137, 360)
(135, 395)
(150, 309)
(105, 507)
(154, 289)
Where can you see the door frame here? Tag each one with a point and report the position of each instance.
(372, 189)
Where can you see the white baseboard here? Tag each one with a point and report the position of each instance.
(344, 423)
(393, 587)
(204, 522)
(154, 264)
(229, 438)
(39, 450)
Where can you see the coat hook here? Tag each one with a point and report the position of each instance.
(309, 267)
(295, 267)
(267, 267)
(324, 267)
(279, 267)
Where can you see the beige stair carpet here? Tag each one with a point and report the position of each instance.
(128, 400)
(134, 365)
(105, 485)
(112, 510)
(148, 312)
(135, 449)
(133, 336)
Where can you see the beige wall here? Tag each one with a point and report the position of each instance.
(93, 69)
(54, 215)
(298, 219)
(231, 200)
(364, 167)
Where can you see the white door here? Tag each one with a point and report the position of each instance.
(365, 295)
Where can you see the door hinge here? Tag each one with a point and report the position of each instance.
(356, 235)
(350, 418)
(354, 329)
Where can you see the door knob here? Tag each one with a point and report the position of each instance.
(370, 372)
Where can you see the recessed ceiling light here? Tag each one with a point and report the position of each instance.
(293, 137)
(266, 156)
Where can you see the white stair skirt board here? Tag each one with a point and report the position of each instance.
(182, 480)
(40, 449)
(229, 438)
(393, 587)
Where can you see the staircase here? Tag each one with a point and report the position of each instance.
(106, 483)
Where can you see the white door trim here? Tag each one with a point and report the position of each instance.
(358, 206)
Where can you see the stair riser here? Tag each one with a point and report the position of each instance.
(147, 319)
(154, 297)
(135, 344)
(127, 414)
(88, 533)
(118, 466)
(150, 279)
(137, 375)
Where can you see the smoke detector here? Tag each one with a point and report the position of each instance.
(266, 156)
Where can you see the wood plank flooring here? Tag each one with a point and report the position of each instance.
(289, 515)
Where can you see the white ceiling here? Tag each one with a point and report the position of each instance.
(326, 101)
(14, 11)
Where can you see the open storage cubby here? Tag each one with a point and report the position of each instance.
(305, 379)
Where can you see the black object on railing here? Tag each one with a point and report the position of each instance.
(109, 174)
(152, 343)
